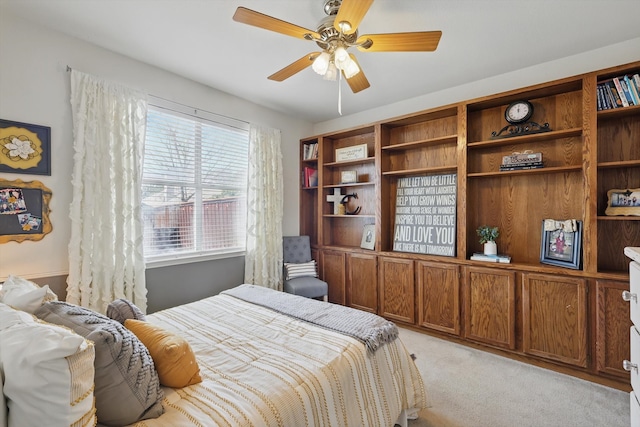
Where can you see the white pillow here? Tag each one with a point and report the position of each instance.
(294, 270)
(48, 372)
(25, 295)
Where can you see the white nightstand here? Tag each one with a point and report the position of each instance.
(633, 295)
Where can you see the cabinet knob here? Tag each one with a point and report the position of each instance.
(628, 296)
(628, 366)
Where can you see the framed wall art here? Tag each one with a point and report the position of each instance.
(25, 148)
(562, 243)
(24, 210)
(623, 202)
(355, 152)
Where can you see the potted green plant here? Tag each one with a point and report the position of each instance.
(488, 236)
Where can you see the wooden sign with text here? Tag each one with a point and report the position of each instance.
(426, 215)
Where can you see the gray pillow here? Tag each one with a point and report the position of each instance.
(122, 309)
(127, 388)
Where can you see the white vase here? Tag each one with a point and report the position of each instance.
(490, 248)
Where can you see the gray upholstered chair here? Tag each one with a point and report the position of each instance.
(296, 250)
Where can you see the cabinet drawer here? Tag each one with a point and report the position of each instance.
(635, 409)
(634, 292)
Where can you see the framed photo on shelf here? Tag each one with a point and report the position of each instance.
(561, 246)
(368, 237)
(623, 202)
(348, 177)
(25, 148)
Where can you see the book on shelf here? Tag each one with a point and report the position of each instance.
(607, 95)
(501, 258)
(617, 92)
(310, 177)
(614, 96)
(313, 178)
(623, 97)
(310, 151)
(604, 97)
(627, 90)
(522, 166)
(519, 158)
(632, 89)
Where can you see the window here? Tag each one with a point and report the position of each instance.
(193, 184)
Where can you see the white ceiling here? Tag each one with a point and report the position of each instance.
(199, 40)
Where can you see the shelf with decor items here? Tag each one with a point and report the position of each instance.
(517, 201)
(309, 194)
(618, 168)
(349, 192)
(548, 143)
(502, 307)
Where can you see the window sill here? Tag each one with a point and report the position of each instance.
(157, 262)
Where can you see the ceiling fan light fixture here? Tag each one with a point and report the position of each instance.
(335, 34)
(321, 63)
(341, 57)
(332, 72)
(351, 69)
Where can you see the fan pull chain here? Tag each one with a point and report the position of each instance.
(340, 92)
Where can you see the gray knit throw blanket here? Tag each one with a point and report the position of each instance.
(371, 329)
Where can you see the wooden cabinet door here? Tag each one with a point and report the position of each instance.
(438, 288)
(397, 299)
(554, 315)
(490, 306)
(334, 273)
(362, 286)
(612, 327)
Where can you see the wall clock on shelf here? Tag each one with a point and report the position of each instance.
(517, 114)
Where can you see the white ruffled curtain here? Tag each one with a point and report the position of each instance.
(263, 259)
(106, 259)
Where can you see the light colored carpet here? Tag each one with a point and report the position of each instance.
(472, 388)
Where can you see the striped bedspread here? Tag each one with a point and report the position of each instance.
(261, 368)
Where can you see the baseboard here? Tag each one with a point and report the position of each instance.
(616, 383)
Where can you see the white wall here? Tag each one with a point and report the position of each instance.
(610, 56)
(34, 88)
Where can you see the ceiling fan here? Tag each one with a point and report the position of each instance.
(335, 35)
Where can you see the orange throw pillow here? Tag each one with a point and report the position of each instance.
(172, 355)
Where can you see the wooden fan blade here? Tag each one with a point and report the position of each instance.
(421, 41)
(351, 12)
(257, 19)
(359, 81)
(294, 68)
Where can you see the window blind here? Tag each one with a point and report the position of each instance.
(194, 184)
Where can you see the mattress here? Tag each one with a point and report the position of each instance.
(262, 368)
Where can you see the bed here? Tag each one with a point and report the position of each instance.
(260, 367)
